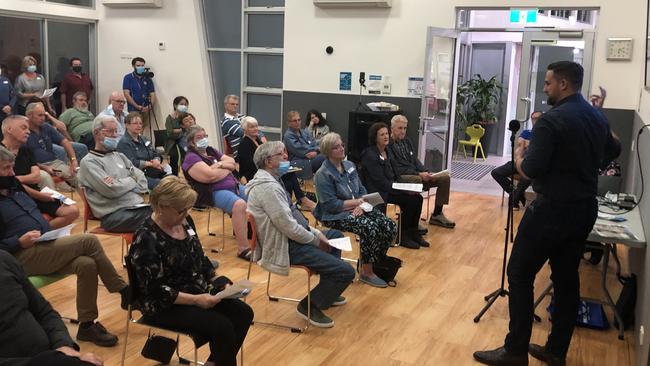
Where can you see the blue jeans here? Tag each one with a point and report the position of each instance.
(80, 150)
(335, 274)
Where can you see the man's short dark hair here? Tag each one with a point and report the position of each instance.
(570, 71)
(74, 59)
(136, 59)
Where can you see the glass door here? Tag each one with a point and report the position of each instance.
(541, 49)
(438, 98)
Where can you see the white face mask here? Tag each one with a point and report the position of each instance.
(203, 143)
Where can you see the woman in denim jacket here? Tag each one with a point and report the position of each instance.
(341, 206)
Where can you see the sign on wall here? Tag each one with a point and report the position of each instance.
(345, 81)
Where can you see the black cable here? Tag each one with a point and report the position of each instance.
(637, 201)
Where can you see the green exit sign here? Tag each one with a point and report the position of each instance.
(523, 15)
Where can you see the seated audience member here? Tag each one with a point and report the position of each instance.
(16, 131)
(410, 170)
(210, 174)
(141, 152)
(379, 176)
(21, 224)
(316, 125)
(7, 96)
(174, 277)
(303, 149)
(247, 168)
(79, 120)
(175, 132)
(341, 207)
(285, 237)
(75, 81)
(41, 139)
(30, 84)
(503, 173)
(115, 109)
(32, 332)
(114, 187)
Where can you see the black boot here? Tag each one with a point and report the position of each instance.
(416, 237)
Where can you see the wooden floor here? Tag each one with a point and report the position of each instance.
(425, 320)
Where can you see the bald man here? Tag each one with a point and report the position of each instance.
(116, 109)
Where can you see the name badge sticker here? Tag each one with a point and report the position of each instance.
(191, 232)
(5, 82)
(351, 170)
(147, 143)
(381, 157)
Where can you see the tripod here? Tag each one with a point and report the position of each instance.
(362, 84)
(501, 291)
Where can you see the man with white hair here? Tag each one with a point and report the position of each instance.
(231, 128)
(115, 109)
(114, 187)
(410, 170)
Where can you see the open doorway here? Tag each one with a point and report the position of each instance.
(512, 48)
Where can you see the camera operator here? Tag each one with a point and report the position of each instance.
(139, 89)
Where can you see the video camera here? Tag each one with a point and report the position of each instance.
(148, 74)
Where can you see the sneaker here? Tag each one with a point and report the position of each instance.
(441, 220)
(373, 281)
(97, 334)
(340, 301)
(317, 319)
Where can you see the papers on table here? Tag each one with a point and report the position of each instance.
(48, 92)
(373, 198)
(55, 234)
(57, 195)
(441, 173)
(343, 244)
(236, 290)
(615, 231)
(413, 187)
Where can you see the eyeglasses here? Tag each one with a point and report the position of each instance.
(121, 101)
(278, 154)
(110, 132)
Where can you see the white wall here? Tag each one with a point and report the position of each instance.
(181, 69)
(392, 42)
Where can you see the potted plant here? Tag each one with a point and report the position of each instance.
(477, 101)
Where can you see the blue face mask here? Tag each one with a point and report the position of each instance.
(203, 143)
(139, 69)
(110, 143)
(284, 167)
(31, 68)
(181, 108)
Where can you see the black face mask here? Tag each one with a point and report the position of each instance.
(8, 182)
(77, 69)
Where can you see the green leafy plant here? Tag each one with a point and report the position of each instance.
(477, 101)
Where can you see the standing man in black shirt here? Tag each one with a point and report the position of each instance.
(569, 144)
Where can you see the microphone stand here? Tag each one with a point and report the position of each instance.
(501, 291)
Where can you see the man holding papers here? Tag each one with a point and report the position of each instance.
(21, 225)
(379, 176)
(411, 170)
(285, 237)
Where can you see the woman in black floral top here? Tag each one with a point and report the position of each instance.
(174, 277)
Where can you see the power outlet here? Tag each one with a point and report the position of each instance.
(641, 335)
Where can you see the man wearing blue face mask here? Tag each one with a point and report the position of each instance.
(114, 187)
(139, 89)
(284, 236)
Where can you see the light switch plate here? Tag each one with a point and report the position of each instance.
(619, 48)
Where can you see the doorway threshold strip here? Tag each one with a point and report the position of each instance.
(469, 171)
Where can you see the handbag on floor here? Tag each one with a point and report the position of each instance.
(386, 268)
(159, 348)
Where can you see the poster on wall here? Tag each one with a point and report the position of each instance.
(374, 84)
(415, 86)
(345, 81)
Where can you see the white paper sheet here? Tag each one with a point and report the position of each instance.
(343, 244)
(413, 187)
(236, 290)
(48, 92)
(440, 173)
(57, 195)
(373, 198)
(55, 234)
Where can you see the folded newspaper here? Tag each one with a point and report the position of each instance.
(373, 198)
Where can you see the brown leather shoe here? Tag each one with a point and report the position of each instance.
(500, 357)
(97, 334)
(540, 353)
